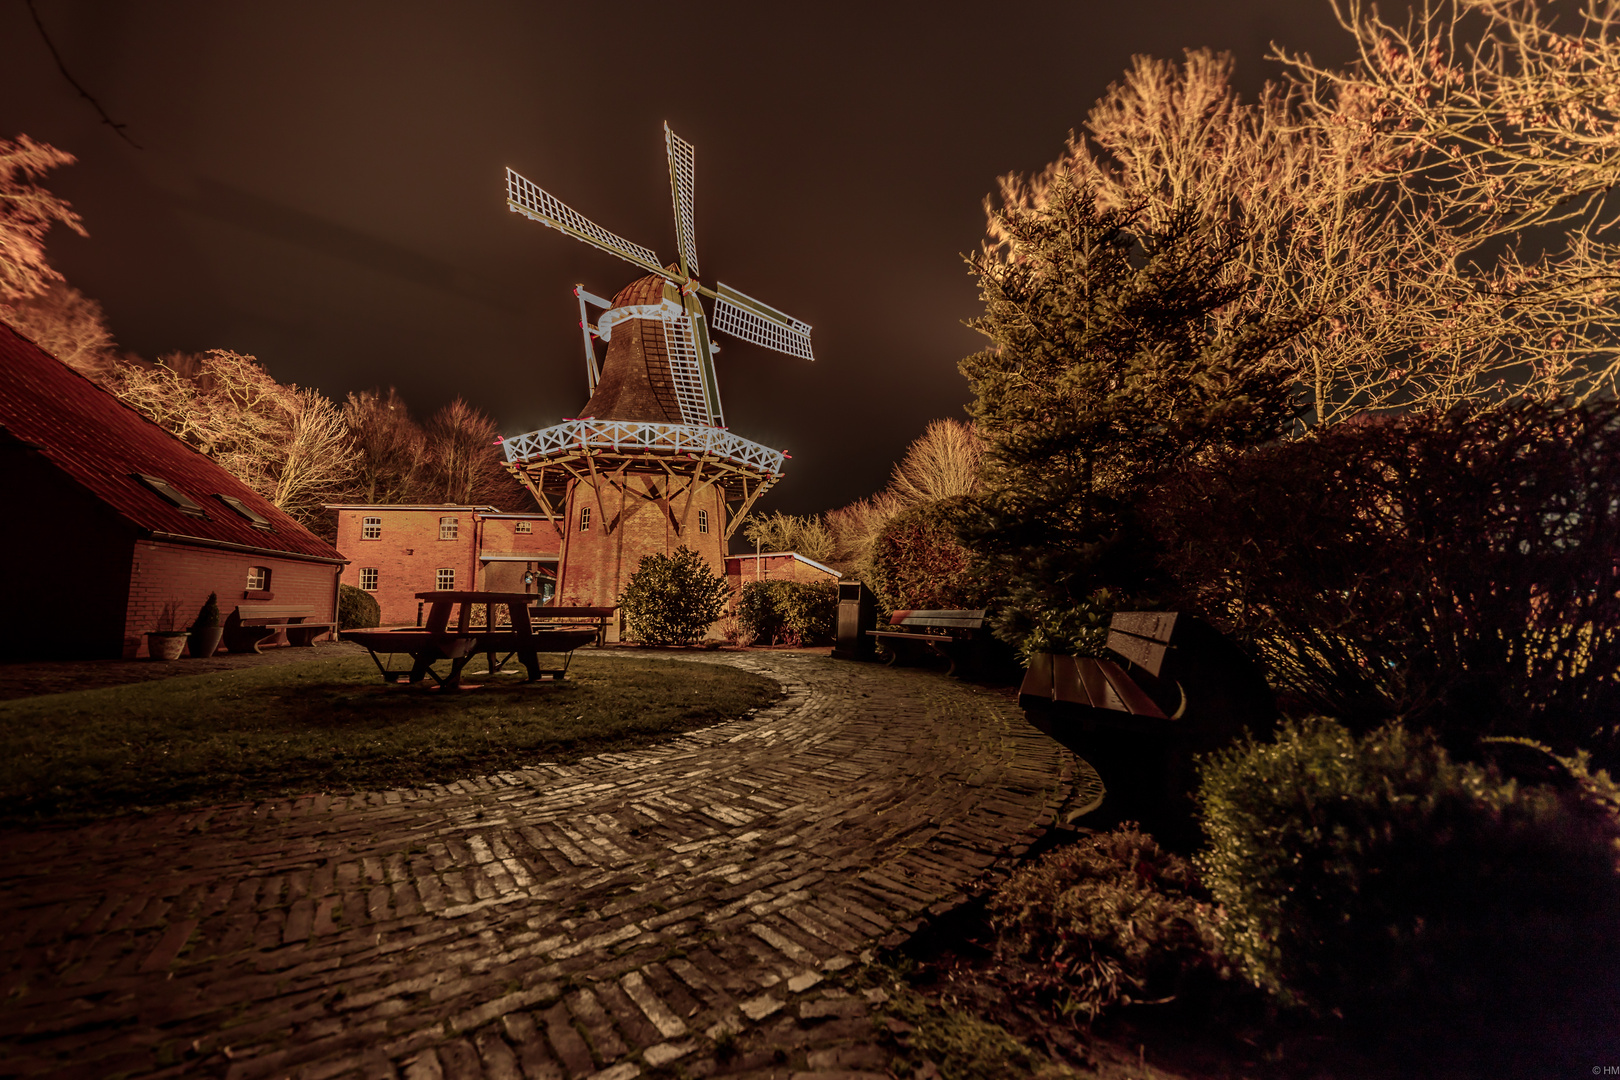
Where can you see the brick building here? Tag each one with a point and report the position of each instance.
(395, 552)
(775, 566)
(125, 523)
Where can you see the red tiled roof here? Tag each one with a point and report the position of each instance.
(100, 442)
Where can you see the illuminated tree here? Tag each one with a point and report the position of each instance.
(1119, 348)
(27, 212)
(389, 446)
(286, 443)
(463, 459)
(67, 324)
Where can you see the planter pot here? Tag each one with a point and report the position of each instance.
(165, 644)
(205, 642)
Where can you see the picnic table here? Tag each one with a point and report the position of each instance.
(459, 643)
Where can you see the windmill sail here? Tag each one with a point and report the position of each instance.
(742, 316)
(685, 369)
(534, 202)
(682, 185)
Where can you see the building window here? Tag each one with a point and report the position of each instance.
(447, 528)
(177, 498)
(524, 527)
(253, 517)
(584, 519)
(368, 578)
(371, 528)
(258, 578)
(447, 578)
(703, 521)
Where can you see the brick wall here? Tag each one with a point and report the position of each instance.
(183, 575)
(408, 554)
(772, 566)
(598, 561)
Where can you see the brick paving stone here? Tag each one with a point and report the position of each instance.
(638, 904)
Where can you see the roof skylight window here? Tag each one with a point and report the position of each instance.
(183, 502)
(256, 519)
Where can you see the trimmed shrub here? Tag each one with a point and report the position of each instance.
(357, 609)
(673, 599)
(1379, 878)
(1112, 919)
(762, 610)
(916, 561)
(208, 616)
(788, 612)
(1458, 570)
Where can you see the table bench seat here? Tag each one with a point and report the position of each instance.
(458, 643)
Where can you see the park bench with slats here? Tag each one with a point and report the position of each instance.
(250, 626)
(954, 635)
(1171, 688)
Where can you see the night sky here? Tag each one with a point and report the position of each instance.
(321, 185)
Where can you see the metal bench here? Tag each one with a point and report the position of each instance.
(249, 626)
(952, 635)
(1171, 689)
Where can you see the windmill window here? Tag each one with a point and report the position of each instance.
(447, 578)
(703, 521)
(371, 528)
(584, 518)
(524, 527)
(447, 528)
(253, 517)
(258, 578)
(368, 578)
(173, 495)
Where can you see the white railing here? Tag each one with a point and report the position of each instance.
(623, 436)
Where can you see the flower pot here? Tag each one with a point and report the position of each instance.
(165, 644)
(205, 642)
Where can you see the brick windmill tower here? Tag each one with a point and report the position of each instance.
(649, 465)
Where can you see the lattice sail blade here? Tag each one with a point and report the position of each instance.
(685, 369)
(742, 316)
(682, 188)
(535, 203)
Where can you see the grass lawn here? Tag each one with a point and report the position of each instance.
(333, 726)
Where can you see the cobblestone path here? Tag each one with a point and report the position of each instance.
(612, 918)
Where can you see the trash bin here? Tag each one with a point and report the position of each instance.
(857, 613)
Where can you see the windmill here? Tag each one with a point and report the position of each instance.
(652, 433)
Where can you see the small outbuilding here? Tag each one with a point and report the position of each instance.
(119, 528)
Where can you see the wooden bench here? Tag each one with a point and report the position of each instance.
(1171, 688)
(249, 626)
(427, 647)
(569, 617)
(952, 635)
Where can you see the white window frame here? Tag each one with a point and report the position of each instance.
(703, 521)
(258, 579)
(450, 523)
(523, 527)
(584, 519)
(445, 579)
(372, 572)
(371, 528)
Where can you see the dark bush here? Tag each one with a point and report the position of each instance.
(1109, 920)
(1459, 570)
(788, 612)
(917, 562)
(208, 616)
(673, 599)
(357, 609)
(1379, 878)
(762, 610)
